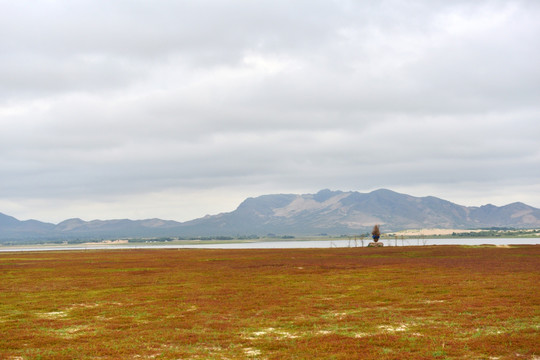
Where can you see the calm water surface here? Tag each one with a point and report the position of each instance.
(286, 244)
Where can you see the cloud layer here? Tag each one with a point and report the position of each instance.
(177, 109)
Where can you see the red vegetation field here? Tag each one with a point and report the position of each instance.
(433, 302)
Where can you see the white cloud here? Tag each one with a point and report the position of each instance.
(104, 105)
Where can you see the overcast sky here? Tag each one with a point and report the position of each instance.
(178, 109)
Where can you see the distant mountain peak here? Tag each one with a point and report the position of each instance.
(70, 224)
(327, 211)
(325, 194)
(384, 191)
(6, 220)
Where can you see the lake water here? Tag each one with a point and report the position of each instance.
(285, 244)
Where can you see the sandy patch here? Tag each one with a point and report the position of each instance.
(361, 335)
(301, 204)
(252, 352)
(72, 331)
(433, 301)
(340, 316)
(389, 328)
(83, 306)
(107, 242)
(276, 334)
(262, 333)
(52, 315)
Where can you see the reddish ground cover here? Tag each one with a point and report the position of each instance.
(433, 302)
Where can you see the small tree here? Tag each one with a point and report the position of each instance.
(376, 233)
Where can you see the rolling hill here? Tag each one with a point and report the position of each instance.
(331, 212)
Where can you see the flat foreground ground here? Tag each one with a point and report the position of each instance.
(432, 302)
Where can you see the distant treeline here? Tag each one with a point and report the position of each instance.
(213, 238)
(142, 240)
(498, 232)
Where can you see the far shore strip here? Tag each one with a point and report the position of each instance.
(432, 232)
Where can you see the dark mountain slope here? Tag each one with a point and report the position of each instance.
(332, 212)
(345, 212)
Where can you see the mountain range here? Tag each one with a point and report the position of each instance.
(330, 212)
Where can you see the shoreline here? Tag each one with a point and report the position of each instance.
(389, 242)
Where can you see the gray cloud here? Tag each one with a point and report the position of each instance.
(185, 108)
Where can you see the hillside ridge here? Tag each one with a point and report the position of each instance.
(327, 211)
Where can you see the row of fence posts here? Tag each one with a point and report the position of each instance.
(360, 239)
